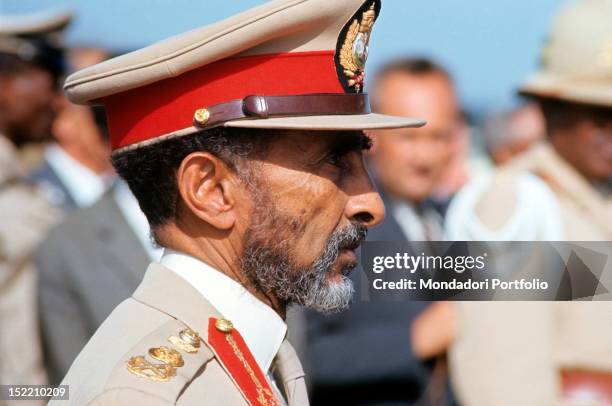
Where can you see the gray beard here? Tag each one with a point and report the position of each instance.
(267, 261)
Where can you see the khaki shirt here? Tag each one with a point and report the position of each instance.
(163, 306)
(26, 217)
(511, 353)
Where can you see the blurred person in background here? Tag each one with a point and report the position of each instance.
(96, 258)
(89, 264)
(458, 170)
(510, 134)
(406, 365)
(76, 169)
(31, 67)
(410, 165)
(522, 353)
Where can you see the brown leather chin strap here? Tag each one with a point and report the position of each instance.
(262, 107)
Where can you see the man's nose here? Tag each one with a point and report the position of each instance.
(424, 151)
(367, 207)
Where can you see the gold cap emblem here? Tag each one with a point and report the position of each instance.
(353, 53)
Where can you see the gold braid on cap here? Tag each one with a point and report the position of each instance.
(354, 51)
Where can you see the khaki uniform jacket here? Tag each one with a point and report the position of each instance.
(511, 353)
(586, 214)
(25, 217)
(162, 306)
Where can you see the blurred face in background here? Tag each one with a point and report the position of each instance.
(75, 128)
(76, 131)
(83, 57)
(582, 135)
(27, 105)
(408, 163)
(520, 129)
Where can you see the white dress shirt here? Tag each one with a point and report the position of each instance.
(426, 226)
(262, 329)
(84, 185)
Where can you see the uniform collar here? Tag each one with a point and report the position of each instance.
(565, 180)
(261, 327)
(560, 174)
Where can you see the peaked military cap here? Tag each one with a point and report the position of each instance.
(288, 64)
(36, 38)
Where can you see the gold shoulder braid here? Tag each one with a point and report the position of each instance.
(187, 340)
(167, 355)
(142, 368)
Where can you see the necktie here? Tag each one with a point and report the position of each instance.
(291, 374)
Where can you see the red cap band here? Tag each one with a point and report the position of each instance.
(167, 106)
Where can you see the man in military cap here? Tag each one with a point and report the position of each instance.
(547, 353)
(242, 142)
(31, 64)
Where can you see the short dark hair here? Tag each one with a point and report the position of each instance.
(412, 66)
(150, 171)
(417, 66)
(11, 64)
(44, 56)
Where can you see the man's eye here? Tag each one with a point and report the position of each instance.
(338, 160)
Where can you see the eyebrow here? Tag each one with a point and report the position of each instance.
(334, 142)
(350, 141)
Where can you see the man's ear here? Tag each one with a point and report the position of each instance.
(208, 189)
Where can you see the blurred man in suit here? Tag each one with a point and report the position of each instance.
(76, 169)
(409, 164)
(31, 65)
(95, 258)
(403, 338)
(88, 265)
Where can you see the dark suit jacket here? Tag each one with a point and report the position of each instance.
(88, 265)
(45, 176)
(363, 356)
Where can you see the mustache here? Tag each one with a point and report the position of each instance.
(349, 237)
